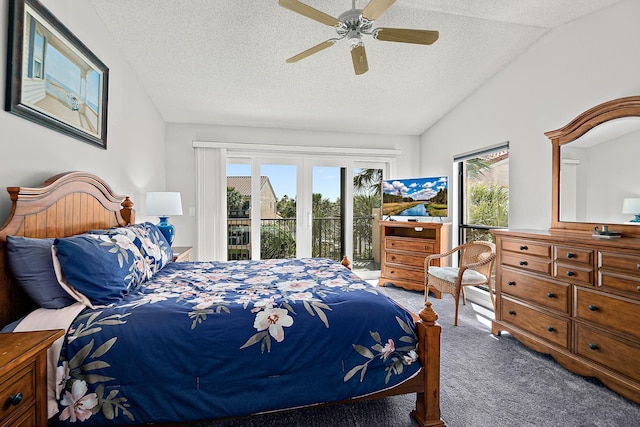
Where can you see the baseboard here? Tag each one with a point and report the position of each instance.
(478, 296)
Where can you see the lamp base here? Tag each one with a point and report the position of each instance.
(636, 219)
(167, 230)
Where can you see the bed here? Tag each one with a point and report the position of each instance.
(202, 340)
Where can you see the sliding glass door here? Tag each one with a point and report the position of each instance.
(301, 209)
(261, 210)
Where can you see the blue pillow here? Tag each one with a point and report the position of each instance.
(32, 266)
(103, 268)
(155, 244)
(149, 240)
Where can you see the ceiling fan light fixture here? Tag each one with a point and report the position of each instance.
(353, 24)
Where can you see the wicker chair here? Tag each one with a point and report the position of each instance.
(476, 264)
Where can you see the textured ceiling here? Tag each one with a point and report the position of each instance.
(223, 61)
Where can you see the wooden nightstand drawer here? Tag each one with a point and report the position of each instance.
(23, 369)
(17, 392)
(533, 288)
(28, 419)
(605, 349)
(551, 328)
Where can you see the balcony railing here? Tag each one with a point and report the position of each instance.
(278, 237)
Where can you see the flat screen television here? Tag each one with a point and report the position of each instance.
(415, 198)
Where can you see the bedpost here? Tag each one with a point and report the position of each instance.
(427, 412)
(127, 212)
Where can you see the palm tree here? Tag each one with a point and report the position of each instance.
(368, 182)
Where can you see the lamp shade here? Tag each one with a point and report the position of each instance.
(631, 206)
(164, 203)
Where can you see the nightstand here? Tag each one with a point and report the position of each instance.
(23, 377)
(181, 253)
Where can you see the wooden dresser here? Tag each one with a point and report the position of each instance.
(23, 377)
(404, 246)
(576, 298)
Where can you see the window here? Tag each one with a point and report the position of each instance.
(483, 179)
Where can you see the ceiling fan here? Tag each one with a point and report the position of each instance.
(352, 25)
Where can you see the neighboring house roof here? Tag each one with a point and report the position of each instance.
(243, 184)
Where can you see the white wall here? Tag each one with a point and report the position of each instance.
(134, 161)
(181, 158)
(573, 68)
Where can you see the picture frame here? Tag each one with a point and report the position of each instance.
(53, 79)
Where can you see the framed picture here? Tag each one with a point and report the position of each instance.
(52, 78)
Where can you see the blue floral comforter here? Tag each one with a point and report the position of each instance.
(204, 340)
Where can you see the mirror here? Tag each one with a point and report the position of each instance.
(594, 168)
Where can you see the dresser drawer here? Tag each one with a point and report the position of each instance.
(21, 382)
(535, 289)
(529, 263)
(405, 259)
(574, 255)
(628, 264)
(402, 273)
(551, 328)
(527, 247)
(605, 349)
(573, 273)
(619, 282)
(425, 246)
(621, 314)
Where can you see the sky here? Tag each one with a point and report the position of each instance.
(326, 180)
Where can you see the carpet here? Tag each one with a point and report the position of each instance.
(486, 381)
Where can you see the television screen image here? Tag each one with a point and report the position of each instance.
(415, 197)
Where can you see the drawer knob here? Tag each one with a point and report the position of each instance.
(550, 328)
(393, 258)
(593, 346)
(15, 399)
(638, 288)
(523, 248)
(551, 295)
(570, 273)
(523, 262)
(593, 307)
(570, 255)
(511, 313)
(512, 283)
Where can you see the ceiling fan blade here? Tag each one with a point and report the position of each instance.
(309, 12)
(404, 35)
(315, 49)
(375, 8)
(359, 57)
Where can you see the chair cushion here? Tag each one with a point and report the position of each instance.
(450, 274)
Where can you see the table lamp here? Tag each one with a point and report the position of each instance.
(632, 206)
(164, 204)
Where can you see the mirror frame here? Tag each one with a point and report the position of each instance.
(602, 113)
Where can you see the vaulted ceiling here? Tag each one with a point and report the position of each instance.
(223, 61)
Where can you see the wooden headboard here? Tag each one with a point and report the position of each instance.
(67, 204)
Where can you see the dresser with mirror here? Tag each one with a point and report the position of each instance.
(573, 291)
